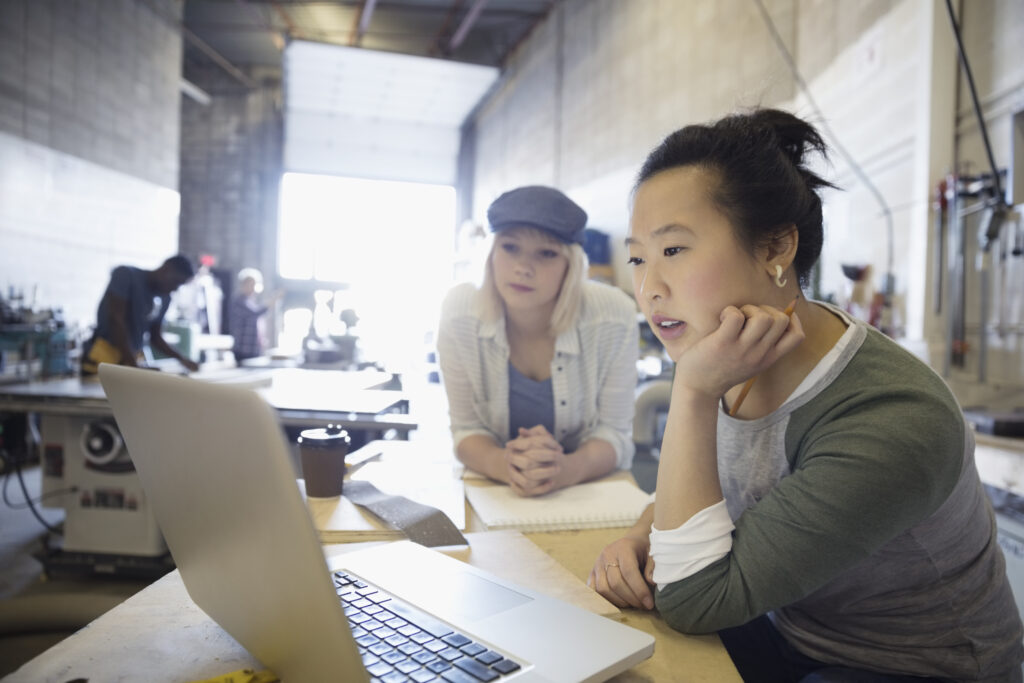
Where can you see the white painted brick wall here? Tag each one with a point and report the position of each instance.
(66, 222)
(89, 117)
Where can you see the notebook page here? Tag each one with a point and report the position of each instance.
(594, 505)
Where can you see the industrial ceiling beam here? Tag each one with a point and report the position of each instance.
(266, 22)
(201, 45)
(218, 59)
(285, 18)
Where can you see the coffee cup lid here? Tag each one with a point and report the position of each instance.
(330, 436)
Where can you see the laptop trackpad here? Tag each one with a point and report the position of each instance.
(470, 596)
(447, 590)
(433, 582)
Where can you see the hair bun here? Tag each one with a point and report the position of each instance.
(796, 138)
(763, 179)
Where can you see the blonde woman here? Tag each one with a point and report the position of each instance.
(539, 363)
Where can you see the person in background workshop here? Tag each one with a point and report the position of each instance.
(539, 363)
(133, 305)
(831, 526)
(246, 315)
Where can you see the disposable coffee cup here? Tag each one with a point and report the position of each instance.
(323, 452)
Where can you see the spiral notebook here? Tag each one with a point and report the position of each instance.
(610, 502)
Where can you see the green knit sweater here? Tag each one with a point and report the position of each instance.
(862, 527)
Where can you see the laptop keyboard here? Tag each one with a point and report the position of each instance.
(399, 642)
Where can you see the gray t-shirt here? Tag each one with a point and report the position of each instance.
(862, 526)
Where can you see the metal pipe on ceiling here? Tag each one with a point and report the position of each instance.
(438, 44)
(194, 91)
(467, 23)
(362, 22)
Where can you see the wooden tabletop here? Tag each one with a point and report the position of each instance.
(566, 559)
(677, 657)
(143, 638)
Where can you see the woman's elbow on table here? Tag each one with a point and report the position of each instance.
(700, 604)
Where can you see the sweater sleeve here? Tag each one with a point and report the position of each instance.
(865, 468)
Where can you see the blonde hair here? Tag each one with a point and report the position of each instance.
(491, 307)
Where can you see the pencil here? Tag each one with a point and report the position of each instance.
(750, 382)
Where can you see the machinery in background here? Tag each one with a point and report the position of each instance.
(989, 199)
(201, 299)
(195, 321)
(109, 527)
(33, 343)
(999, 236)
(333, 338)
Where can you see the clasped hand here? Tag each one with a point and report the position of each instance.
(534, 461)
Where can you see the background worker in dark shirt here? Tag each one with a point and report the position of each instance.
(135, 303)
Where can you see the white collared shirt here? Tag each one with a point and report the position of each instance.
(593, 371)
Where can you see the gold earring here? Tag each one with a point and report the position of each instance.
(779, 282)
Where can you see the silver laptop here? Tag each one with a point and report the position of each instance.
(214, 464)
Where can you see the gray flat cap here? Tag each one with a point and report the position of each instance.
(539, 207)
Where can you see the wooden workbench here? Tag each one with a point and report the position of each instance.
(160, 635)
(302, 398)
(144, 638)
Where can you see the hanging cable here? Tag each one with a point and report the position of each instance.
(27, 503)
(857, 170)
(14, 466)
(977, 104)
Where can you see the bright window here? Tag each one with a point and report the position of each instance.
(389, 244)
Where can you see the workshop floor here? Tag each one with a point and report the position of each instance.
(37, 612)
